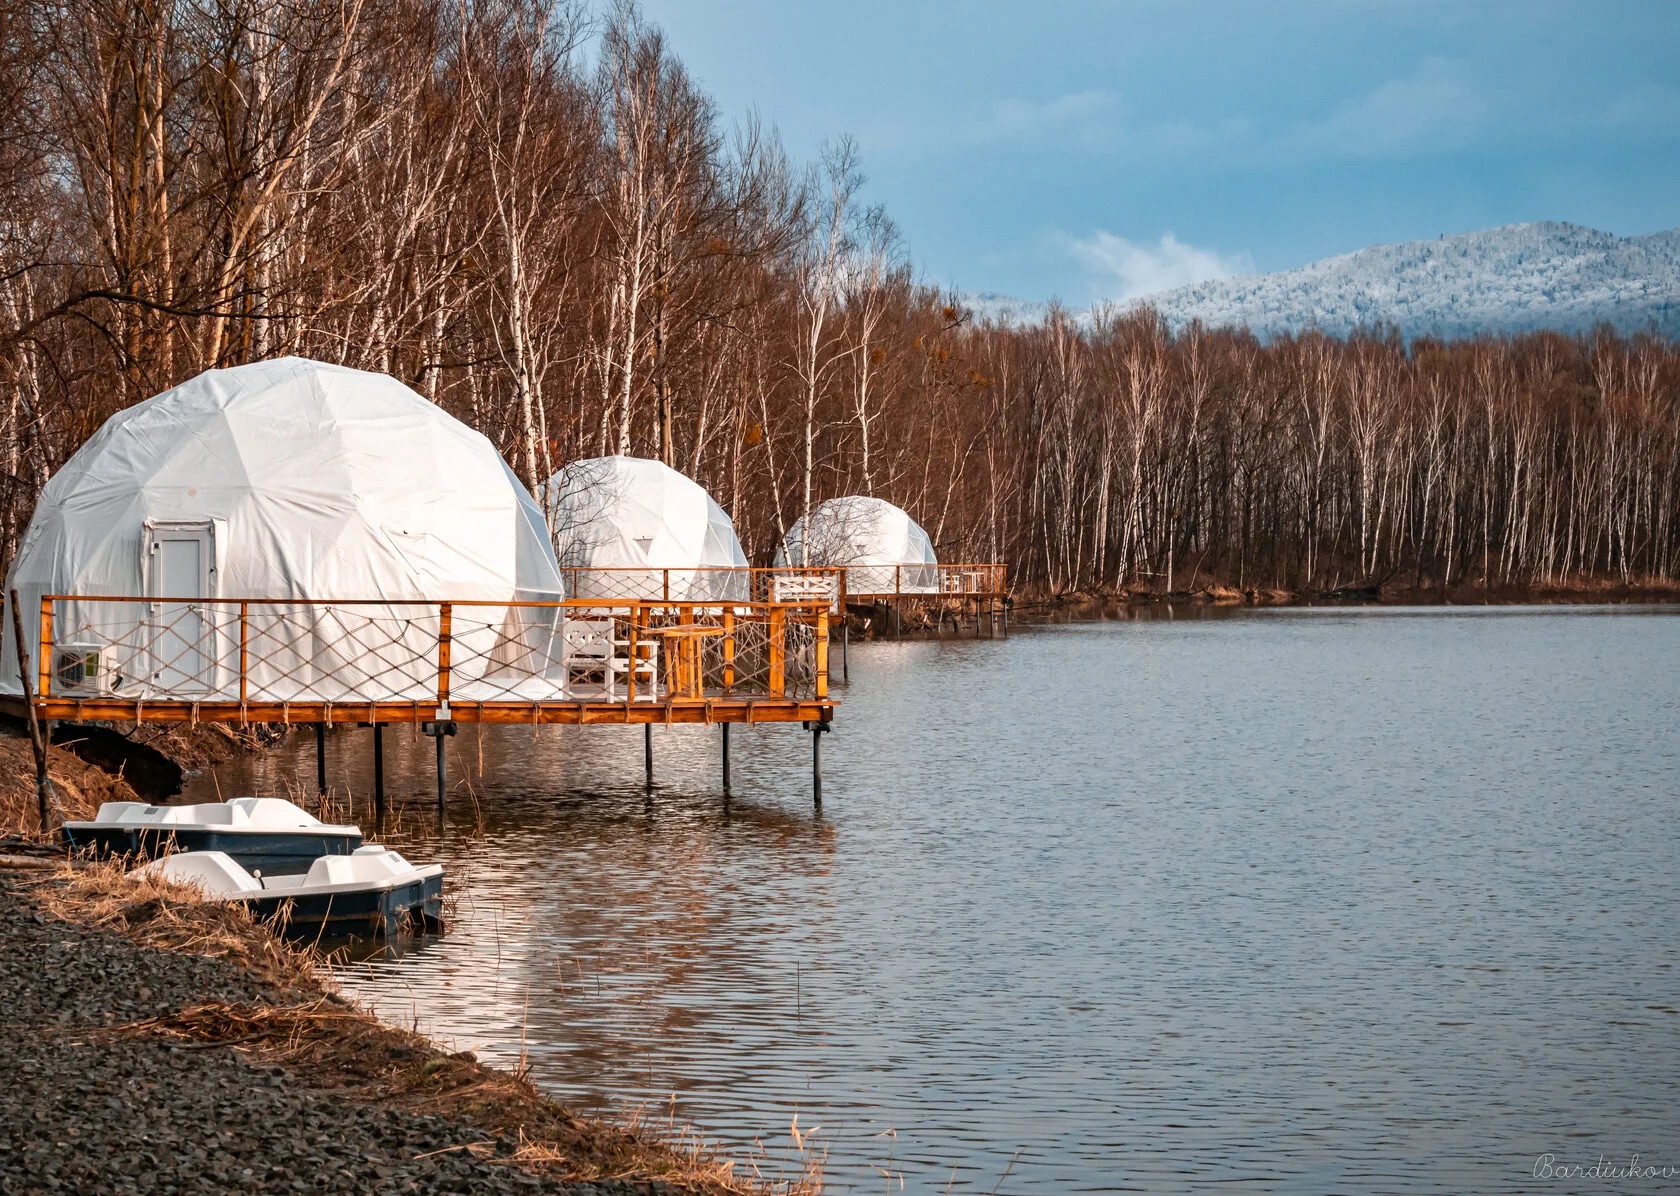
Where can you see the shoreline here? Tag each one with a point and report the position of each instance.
(1612, 593)
(164, 1043)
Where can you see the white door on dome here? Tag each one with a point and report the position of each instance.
(179, 563)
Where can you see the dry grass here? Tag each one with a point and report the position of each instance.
(346, 1050)
(167, 916)
(80, 787)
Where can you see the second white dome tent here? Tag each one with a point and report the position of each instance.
(884, 551)
(629, 527)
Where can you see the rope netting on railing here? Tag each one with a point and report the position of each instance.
(789, 584)
(792, 583)
(873, 582)
(255, 651)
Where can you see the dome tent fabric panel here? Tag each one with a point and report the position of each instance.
(286, 480)
(885, 550)
(620, 522)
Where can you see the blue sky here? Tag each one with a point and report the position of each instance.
(1098, 149)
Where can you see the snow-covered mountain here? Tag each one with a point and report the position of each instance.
(1512, 279)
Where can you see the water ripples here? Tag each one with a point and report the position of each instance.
(1310, 901)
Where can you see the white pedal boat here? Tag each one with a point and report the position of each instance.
(372, 890)
(260, 832)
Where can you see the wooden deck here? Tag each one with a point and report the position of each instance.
(566, 712)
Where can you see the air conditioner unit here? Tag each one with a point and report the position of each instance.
(83, 668)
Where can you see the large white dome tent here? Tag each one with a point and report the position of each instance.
(288, 480)
(884, 550)
(624, 527)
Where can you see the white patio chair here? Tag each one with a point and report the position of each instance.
(593, 653)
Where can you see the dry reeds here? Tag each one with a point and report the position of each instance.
(356, 1056)
(168, 916)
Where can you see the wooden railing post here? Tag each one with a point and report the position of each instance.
(244, 651)
(44, 660)
(728, 649)
(778, 660)
(822, 651)
(631, 655)
(445, 618)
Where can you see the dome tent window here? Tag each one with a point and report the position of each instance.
(280, 482)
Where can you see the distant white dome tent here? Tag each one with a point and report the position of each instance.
(288, 480)
(625, 526)
(885, 551)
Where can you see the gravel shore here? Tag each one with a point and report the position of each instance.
(99, 1096)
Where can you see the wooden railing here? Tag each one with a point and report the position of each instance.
(702, 585)
(253, 652)
(836, 583)
(868, 583)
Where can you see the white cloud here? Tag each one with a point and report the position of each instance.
(1650, 107)
(1122, 269)
(1433, 108)
(1088, 116)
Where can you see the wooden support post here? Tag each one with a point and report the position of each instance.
(43, 779)
(379, 771)
(320, 759)
(647, 752)
(845, 645)
(898, 602)
(726, 759)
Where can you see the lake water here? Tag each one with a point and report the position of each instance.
(1306, 900)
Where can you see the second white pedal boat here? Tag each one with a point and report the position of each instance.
(374, 890)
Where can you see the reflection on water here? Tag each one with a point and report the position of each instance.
(1315, 900)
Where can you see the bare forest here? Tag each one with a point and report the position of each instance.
(530, 213)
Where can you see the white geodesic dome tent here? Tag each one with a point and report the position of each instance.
(284, 481)
(625, 527)
(884, 550)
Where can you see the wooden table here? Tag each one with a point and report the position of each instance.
(685, 660)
